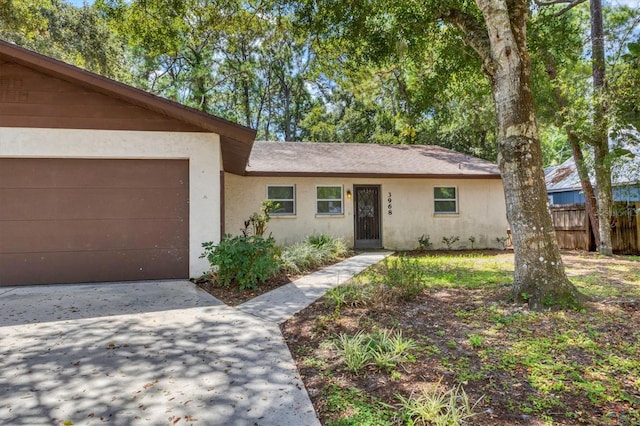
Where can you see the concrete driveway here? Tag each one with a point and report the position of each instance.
(142, 353)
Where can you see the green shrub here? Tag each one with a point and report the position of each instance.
(257, 222)
(394, 279)
(502, 241)
(355, 351)
(425, 242)
(450, 241)
(247, 260)
(319, 240)
(336, 247)
(345, 295)
(403, 276)
(301, 257)
(389, 349)
(472, 240)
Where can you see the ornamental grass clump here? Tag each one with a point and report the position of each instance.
(313, 252)
(392, 280)
(382, 350)
(438, 407)
(401, 278)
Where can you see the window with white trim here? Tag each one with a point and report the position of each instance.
(445, 199)
(329, 199)
(285, 196)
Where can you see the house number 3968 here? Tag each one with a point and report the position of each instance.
(389, 206)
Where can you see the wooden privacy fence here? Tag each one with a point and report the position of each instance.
(574, 231)
(625, 228)
(572, 226)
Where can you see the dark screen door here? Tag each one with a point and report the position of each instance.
(367, 216)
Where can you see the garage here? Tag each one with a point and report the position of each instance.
(88, 220)
(100, 181)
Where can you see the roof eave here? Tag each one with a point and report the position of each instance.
(370, 175)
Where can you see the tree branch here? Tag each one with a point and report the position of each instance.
(475, 35)
(543, 3)
(567, 8)
(570, 4)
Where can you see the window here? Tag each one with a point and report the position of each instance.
(285, 196)
(445, 199)
(329, 199)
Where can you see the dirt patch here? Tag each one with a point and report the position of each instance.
(441, 321)
(431, 315)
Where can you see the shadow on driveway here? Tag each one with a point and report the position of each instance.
(43, 303)
(61, 359)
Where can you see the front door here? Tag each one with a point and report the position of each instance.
(367, 217)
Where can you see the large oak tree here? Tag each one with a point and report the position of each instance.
(496, 30)
(502, 45)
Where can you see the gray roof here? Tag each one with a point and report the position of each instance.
(625, 170)
(563, 177)
(364, 160)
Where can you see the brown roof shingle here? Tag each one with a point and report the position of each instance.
(364, 160)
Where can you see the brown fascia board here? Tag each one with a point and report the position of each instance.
(371, 175)
(234, 137)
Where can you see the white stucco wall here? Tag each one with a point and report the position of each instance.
(201, 149)
(481, 207)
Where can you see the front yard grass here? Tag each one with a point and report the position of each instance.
(465, 354)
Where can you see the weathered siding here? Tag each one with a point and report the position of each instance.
(29, 98)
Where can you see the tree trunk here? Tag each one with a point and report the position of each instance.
(286, 114)
(539, 271)
(590, 201)
(576, 149)
(600, 140)
(246, 90)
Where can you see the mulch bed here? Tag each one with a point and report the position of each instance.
(425, 316)
(232, 297)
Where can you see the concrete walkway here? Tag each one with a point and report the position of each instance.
(154, 353)
(282, 303)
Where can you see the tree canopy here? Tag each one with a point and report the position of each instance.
(396, 74)
(505, 80)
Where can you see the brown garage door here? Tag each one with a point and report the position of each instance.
(77, 220)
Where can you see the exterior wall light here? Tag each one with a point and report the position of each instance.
(348, 193)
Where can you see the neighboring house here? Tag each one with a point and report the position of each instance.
(573, 228)
(100, 181)
(103, 182)
(563, 183)
(373, 196)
